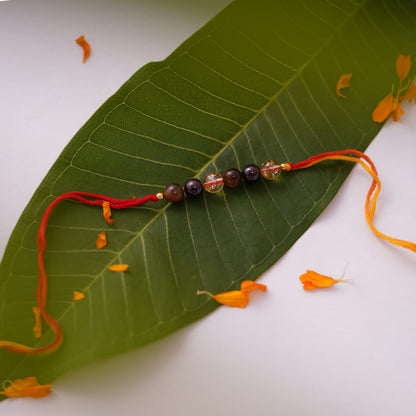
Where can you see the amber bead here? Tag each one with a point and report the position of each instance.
(213, 182)
(173, 193)
(193, 188)
(270, 170)
(232, 177)
(251, 173)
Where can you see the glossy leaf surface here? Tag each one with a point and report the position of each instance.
(257, 82)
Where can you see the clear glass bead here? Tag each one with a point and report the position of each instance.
(270, 169)
(213, 182)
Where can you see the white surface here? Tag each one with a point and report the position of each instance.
(349, 350)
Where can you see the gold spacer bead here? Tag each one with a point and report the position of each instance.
(159, 196)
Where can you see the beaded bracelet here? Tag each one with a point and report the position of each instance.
(213, 182)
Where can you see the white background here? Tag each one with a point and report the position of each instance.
(348, 350)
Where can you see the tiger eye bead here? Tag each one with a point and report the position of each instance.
(193, 188)
(232, 177)
(251, 173)
(173, 193)
(270, 170)
(213, 182)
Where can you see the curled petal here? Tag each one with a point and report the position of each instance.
(78, 295)
(235, 298)
(410, 94)
(107, 212)
(249, 285)
(312, 280)
(101, 240)
(383, 109)
(403, 64)
(397, 110)
(26, 387)
(344, 81)
(308, 286)
(85, 45)
(118, 267)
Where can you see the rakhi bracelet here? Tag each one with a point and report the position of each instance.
(213, 182)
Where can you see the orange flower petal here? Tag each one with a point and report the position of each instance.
(410, 94)
(308, 286)
(85, 45)
(37, 329)
(403, 64)
(249, 285)
(107, 212)
(234, 298)
(398, 111)
(118, 267)
(101, 240)
(344, 81)
(383, 109)
(312, 280)
(78, 295)
(27, 387)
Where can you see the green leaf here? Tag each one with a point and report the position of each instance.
(257, 82)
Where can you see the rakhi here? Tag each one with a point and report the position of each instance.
(213, 182)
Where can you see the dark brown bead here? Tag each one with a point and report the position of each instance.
(251, 173)
(193, 188)
(173, 193)
(232, 177)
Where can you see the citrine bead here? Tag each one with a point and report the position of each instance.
(193, 188)
(270, 169)
(213, 182)
(232, 177)
(251, 173)
(173, 193)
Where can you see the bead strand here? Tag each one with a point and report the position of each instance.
(213, 182)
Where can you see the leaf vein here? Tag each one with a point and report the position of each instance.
(228, 79)
(195, 107)
(174, 125)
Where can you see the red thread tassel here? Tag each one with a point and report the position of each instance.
(42, 290)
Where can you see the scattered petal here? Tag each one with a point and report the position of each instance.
(118, 267)
(78, 295)
(397, 110)
(26, 387)
(101, 240)
(312, 280)
(85, 45)
(235, 298)
(343, 82)
(410, 94)
(249, 285)
(383, 109)
(37, 329)
(107, 212)
(403, 64)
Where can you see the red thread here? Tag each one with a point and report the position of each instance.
(317, 158)
(42, 289)
(370, 202)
